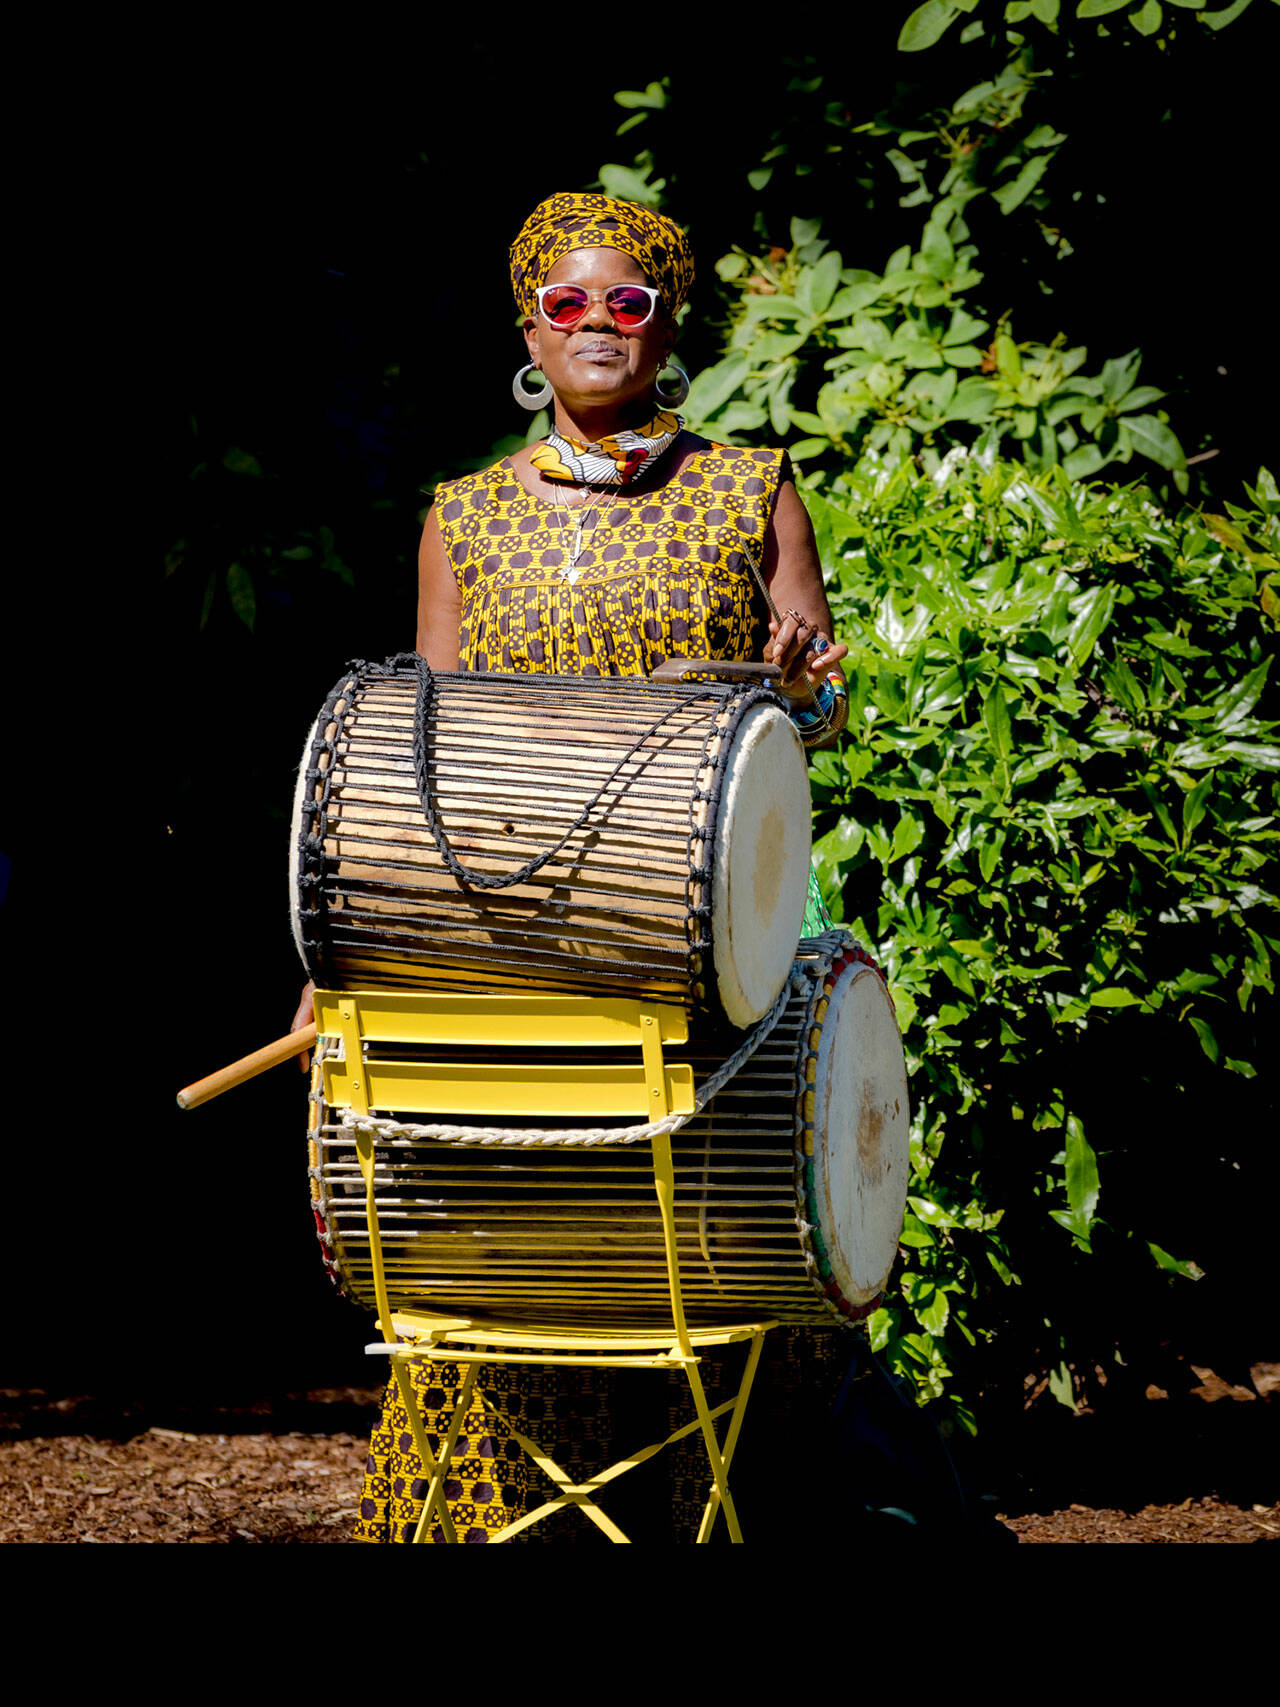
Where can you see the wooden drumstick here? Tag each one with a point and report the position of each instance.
(248, 1067)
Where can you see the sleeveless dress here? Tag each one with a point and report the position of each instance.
(661, 573)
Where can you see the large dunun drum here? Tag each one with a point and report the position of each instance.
(646, 838)
(789, 1189)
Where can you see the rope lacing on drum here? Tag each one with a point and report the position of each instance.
(578, 1137)
(318, 871)
(493, 880)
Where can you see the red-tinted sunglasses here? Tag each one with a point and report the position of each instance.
(628, 305)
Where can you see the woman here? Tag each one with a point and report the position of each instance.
(618, 541)
(621, 538)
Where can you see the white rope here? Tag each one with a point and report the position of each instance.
(577, 1137)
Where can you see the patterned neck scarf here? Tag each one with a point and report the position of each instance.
(615, 461)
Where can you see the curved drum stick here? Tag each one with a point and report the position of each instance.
(248, 1067)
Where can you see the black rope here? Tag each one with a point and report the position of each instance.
(490, 880)
(324, 933)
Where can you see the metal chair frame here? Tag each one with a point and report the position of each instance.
(651, 1088)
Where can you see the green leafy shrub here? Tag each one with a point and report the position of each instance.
(1055, 821)
(841, 359)
(1054, 817)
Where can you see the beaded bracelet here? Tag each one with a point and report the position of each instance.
(826, 713)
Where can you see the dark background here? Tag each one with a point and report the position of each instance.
(296, 249)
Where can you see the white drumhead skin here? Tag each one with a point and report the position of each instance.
(295, 828)
(760, 869)
(861, 1122)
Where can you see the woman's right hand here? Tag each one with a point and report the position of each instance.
(304, 1017)
(803, 666)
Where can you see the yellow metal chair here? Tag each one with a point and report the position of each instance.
(642, 1084)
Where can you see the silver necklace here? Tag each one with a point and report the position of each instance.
(573, 552)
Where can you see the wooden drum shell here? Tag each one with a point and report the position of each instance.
(686, 884)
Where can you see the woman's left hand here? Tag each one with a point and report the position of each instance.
(804, 654)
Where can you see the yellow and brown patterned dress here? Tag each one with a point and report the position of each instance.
(663, 572)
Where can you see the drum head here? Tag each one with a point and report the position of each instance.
(860, 1134)
(760, 876)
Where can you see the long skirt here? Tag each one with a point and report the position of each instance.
(585, 1420)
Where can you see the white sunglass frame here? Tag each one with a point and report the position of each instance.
(650, 291)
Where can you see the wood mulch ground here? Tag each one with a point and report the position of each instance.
(73, 1468)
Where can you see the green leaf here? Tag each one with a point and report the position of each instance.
(931, 1311)
(989, 851)
(240, 588)
(995, 715)
(241, 462)
(1191, 1270)
(926, 25)
(1220, 20)
(880, 1326)
(626, 184)
(654, 96)
(1204, 1031)
(1099, 8)
(1155, 440)
(1002, 1268)
(841, 844)
(1194, 807)
(1094, 615)
(907, 837)
(714, 386)
(1114, 997)
(1257, 755)
(933, 1214)
(817, 285)
(1118, 375)
(1146, 20)
(1060, 1385)
(1008, 359)
(1081, 1171)
(851, 298)
(916, 1238)
(1013, 194)
(1139, 397)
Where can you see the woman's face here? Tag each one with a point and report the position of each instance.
(598, 363)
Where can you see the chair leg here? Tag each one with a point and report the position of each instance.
(739, 1402)
(404, 1380)
(571, 1493)
(435, 1492)
(719, 1466)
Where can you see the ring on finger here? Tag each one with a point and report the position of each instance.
(802, 621)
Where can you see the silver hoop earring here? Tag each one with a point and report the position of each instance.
(530, 400)
(672, 396)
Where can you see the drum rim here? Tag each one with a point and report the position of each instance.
(721, 863)
(849, 959)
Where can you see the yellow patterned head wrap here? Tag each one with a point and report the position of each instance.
(571, 221)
